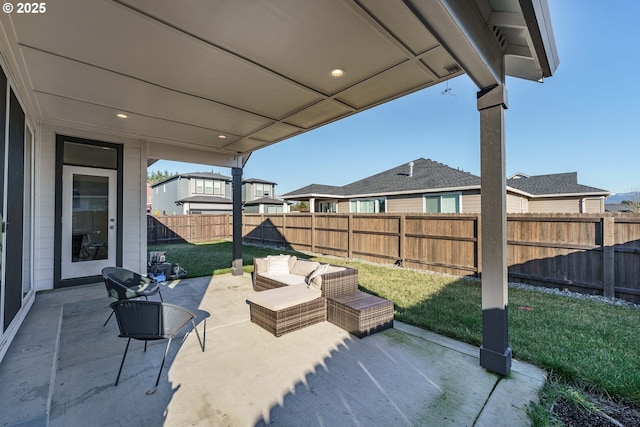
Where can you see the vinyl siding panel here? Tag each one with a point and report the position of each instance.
(516, 204)
(404, 204)
(133, 201)
(594, 205)
(559, 205)
(343, 206)
(470, 203)
(44, 209)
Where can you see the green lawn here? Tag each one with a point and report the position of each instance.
(587, 344)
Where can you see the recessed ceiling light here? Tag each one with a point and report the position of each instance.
(222, 136)
(121, 116)
(337, 72)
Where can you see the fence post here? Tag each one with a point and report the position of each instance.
(262, 229)
(313, 232)
(608, 257)
(350, 236)
(283, 235)
(478, 237)
(403, 231)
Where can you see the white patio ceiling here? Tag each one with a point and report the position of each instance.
(232, 76)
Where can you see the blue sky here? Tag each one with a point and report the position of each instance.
(585, 119)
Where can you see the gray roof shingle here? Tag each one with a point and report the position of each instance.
(558, 183)
(427, 175)
(264, 201)
(205, 199)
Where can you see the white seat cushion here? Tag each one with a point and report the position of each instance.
(287, 279)
(285, 297)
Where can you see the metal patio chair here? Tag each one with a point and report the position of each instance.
(152, 320)
(123, 284)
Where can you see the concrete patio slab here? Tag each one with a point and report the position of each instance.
(62, 366)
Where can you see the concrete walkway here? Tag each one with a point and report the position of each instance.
(62, 365)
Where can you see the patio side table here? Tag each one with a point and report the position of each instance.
(360, 313)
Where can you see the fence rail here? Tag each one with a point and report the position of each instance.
(591, 253)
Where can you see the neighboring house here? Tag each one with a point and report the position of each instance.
(149, 198)
(265, 205)
(553, 193)
(193, 193)
(210, 193)
(617, 208)
(258, 196)
(427, 186)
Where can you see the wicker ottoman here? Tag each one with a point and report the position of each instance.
(360, 313)
(287, 309)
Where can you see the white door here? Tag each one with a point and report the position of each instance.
(88, 220)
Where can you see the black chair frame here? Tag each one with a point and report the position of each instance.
(123, 284)
(151, 320)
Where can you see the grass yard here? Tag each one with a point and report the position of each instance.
(584, 344)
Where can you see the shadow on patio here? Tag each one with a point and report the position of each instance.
(63, 363)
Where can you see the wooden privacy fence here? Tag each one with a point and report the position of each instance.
(187, 228)
(591, 253)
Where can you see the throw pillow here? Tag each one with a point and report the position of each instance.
(262, 265)
(304, 268)
(278, 264)
(292, 262)
(314, 280)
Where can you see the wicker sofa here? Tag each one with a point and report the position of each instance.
(335, 281)
(301, 293)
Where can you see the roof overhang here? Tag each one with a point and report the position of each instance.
(212, 81)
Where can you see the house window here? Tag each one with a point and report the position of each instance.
(327, 207)
(442, 203)
(207, 186)
(274, 208)
(263, 190)
(367, 206)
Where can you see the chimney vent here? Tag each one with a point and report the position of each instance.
(411, 169)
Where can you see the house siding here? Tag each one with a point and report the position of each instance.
(564, 205)
(593, 205)
(44, 209)
(516, 204)
(165, 196)
(133, 200)
(209, 208)
(404, 204)
(470, 203)
(343, 206)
